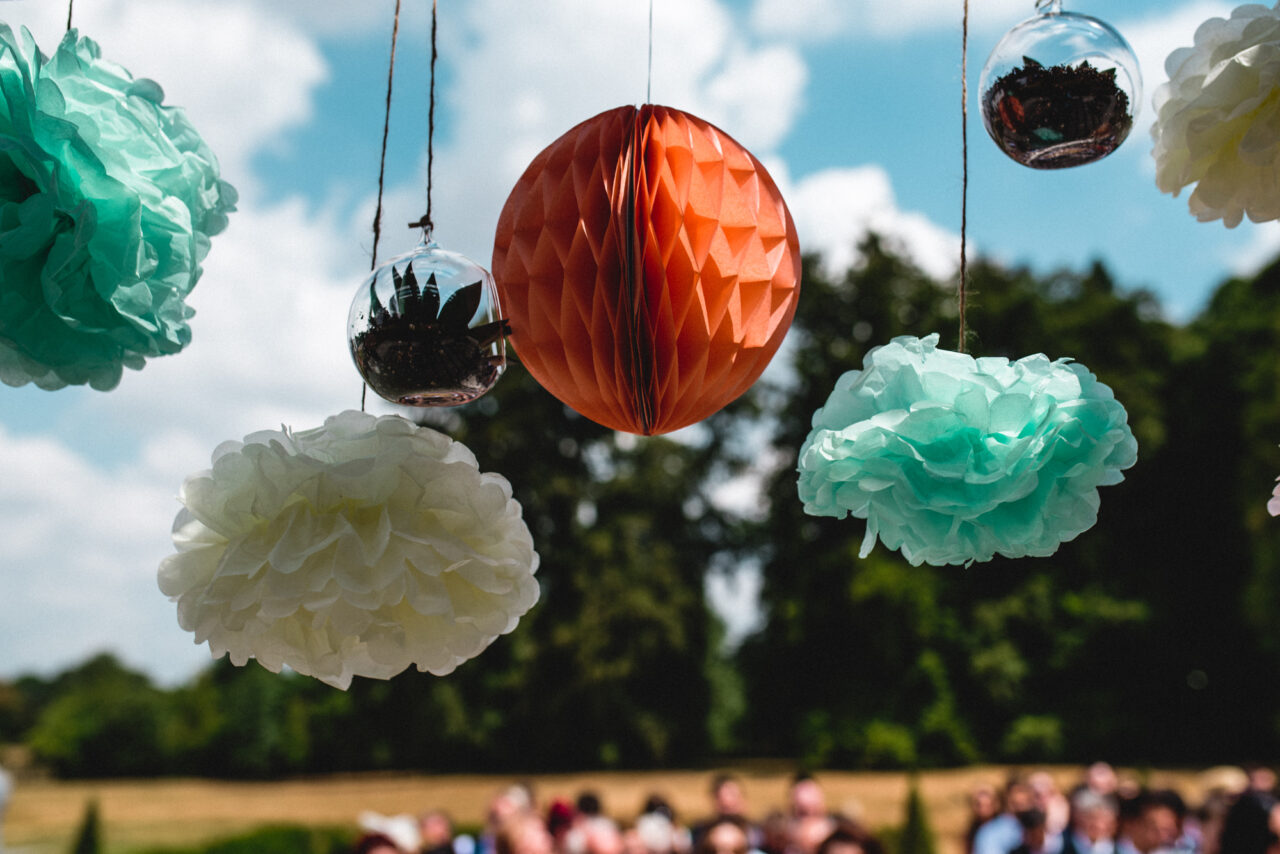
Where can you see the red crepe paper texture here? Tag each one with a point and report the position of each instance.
(649, 268)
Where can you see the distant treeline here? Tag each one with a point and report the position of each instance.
(1153, 638)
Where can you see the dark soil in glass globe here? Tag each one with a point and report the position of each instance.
(419, 353)
(1057, 116)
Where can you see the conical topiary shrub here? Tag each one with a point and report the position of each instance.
(917, 836)
(88, 839)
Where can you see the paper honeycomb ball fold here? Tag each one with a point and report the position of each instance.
(649, 268)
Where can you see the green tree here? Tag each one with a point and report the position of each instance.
(611, 667)
(871, 661)
(1143, 641)
(104, 721)
(13, 712)
(244, 722)
(1219, 577)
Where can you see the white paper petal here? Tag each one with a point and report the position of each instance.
(1218, 118)
(356, 549)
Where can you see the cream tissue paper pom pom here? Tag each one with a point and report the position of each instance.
(1218, 118)
(354, 549)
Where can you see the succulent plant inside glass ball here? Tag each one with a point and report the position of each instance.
(1060, 90)
(425, 329)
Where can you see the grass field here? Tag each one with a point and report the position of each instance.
(43, 815)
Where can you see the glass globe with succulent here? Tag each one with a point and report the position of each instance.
(1060, 89)
(425, 328)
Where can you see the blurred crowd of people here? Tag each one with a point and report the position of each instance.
(1101, 813)
(517, 824)
(1105, 813)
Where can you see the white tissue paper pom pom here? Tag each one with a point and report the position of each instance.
(1218, 118)
(354, 549)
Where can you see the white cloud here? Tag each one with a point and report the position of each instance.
(83, 537)
(1259, 250)
(1153, 38)
(835, 208)
(243, 73)
(81, 549)
(269, 335)
(735, 596)
(779, 75)
(85, 519)
(343, 19)
(85, 531)
(559, 62)
(322, 18)
(812, 21)
(828, 20)
(85, 527)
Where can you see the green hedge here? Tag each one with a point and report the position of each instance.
(274, 839)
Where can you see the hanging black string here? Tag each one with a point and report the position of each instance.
(71, 4)
(386, 128)
(382, 164)
(964, 181)
(648, 89)
(425, 223)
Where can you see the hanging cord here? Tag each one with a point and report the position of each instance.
(425, 223)
(964, 181)
(382, 165)
(71, 4)
(386, 128)
(648, 88)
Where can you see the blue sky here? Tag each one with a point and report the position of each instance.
(852, 104)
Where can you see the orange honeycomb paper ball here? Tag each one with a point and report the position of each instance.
(649, 268)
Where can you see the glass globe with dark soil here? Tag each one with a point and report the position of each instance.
(1060, 89)
(425, 329)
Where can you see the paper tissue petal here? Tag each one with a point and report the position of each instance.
(952, 459)
(354, 549)
(107, 203)
(1218, 118)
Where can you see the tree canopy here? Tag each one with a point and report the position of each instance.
(1148, 639)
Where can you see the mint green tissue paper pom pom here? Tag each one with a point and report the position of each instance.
(952, 459)
(107, 203)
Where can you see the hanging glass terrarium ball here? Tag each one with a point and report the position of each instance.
(425, 329)
(1060, 89)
